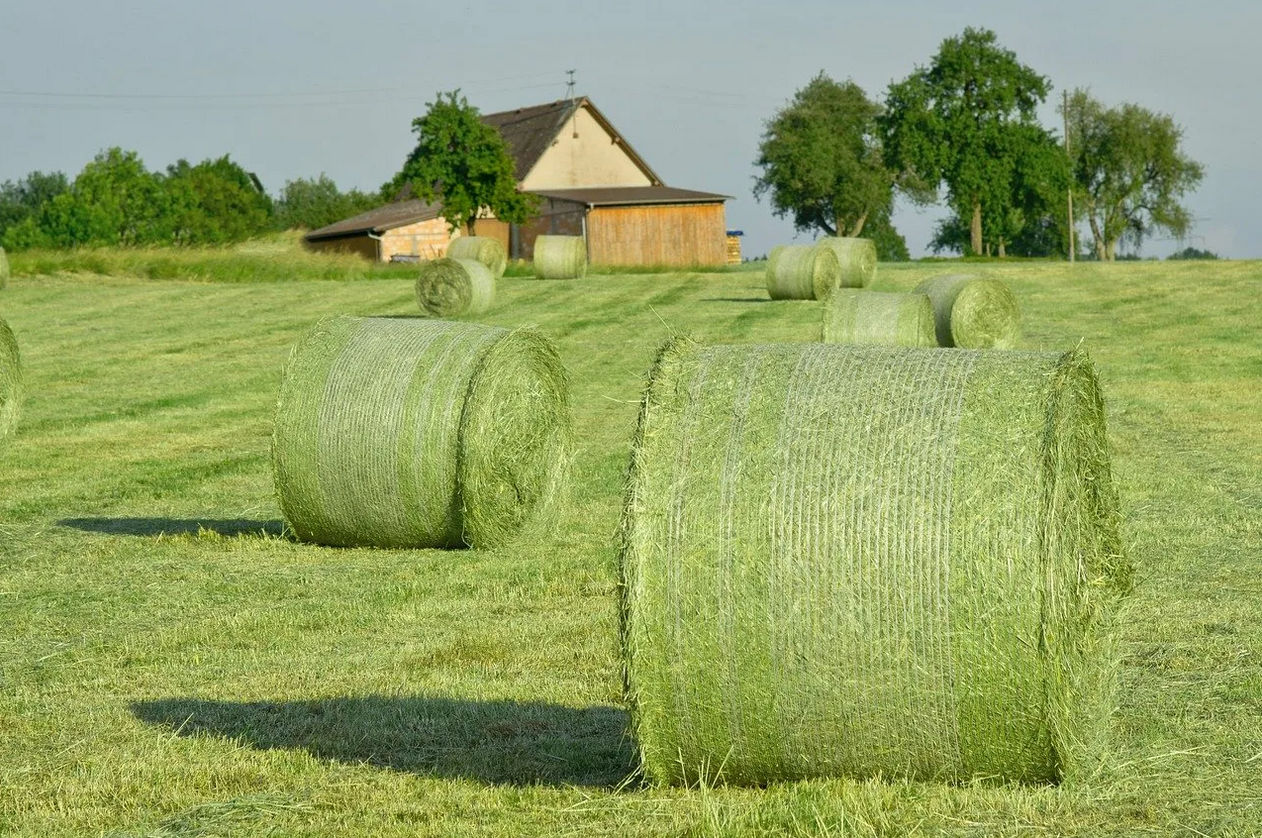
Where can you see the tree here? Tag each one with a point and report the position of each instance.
(24, 199)
(1129, 172)
(216, 202)
(966, 120)
(463, 164)
(311, 203)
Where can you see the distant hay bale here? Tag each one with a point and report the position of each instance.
(4, 269)
(452, 287)
(394, 432)
(488, 251)
(857, 258)
(560, 257)
(10, 383)
(802, 272)
(973, 313)
(862, 561)
(878, 318)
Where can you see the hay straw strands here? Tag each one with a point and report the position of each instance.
(862, 561)
(4, 269)
(802, 272)
(488, 251)
(560, 257)
(857, 258)
(452, 287)
(878, 318)
(973, 313)
(10, 383)
(396, 432)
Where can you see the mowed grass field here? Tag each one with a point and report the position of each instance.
(171, 664)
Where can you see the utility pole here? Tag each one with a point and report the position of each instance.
(569, 94)
(1073, 247)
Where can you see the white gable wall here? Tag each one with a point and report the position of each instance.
(590, 159)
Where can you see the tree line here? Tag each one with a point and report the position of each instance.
(964, 129)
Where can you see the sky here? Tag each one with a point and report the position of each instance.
(294, 89)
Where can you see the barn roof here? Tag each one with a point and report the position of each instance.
(397, 214)
(612, 196)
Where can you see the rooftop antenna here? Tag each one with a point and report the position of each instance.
(569, 94)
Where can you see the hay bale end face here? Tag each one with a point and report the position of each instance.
(488, 251)
(973, 313)
(878, 318)
(857, 258)
(802, 272)
(394, 432)
(452, 287)
(10, 384)
(560, 257)
(928, 598)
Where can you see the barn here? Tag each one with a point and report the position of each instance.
(590, 182)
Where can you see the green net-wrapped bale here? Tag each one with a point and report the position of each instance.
(857, 258)
(394, 432)
(10, 384)
(488, 251)
(560, 257)
(973, 313)
(802, 272)
(851, 560)
(4, 269)
(452, 287)
(878, 318)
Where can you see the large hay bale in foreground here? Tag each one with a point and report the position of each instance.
(843, 560)
(802, 272)
(4, 269)
(452, 287)
(488, 251)
(857, 258)
(878, 318)
(973, 313)
(10, 383)
(394, 432)
(560, 257)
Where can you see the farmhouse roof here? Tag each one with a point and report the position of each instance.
(613, 196)
(398, 214)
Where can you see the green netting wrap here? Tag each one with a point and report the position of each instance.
(878, 318)
(857, 258)
(973, 313)
(802, 272)
(452, 287)
(10, 384)
(4, 269)
(851, 560)
(560, 257)
(480, 249)
(420, 433)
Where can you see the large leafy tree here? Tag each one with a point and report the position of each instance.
(115, 200)
(463, 164)
(1129, 171)
(216, 202)
(24, 199)
(967, 121)
(311, 203)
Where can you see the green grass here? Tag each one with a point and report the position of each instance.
(170, 664)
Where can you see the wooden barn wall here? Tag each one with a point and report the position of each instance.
(491, 228)
(681, 235)
(556, 218)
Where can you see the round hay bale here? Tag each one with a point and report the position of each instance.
(480, 249)
(846, 560)
(394, 432)
(802, 272)
(560, 257)
(973, 313)
(10, 383)
(878, 318)
(4, 269)
(452, 287)
(857, 258)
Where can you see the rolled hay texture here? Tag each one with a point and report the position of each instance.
(845, 560)
(857, 258)
(420, 433)
(878, 318)
(973, 313)
(452, 287)
(10, 384)
(802, 272)
(480, 249)
(4, 269)
(560, 257)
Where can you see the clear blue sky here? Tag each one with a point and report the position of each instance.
(293, 89)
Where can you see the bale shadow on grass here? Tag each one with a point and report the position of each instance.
(174, 526)
(735, 300)
(495, 742)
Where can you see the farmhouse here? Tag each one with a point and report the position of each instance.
(590, 182)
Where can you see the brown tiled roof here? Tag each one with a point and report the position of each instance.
(609, 196)
(397, 214)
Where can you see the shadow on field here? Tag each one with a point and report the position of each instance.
(734, 300)
(174, 526)
(500, 742)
